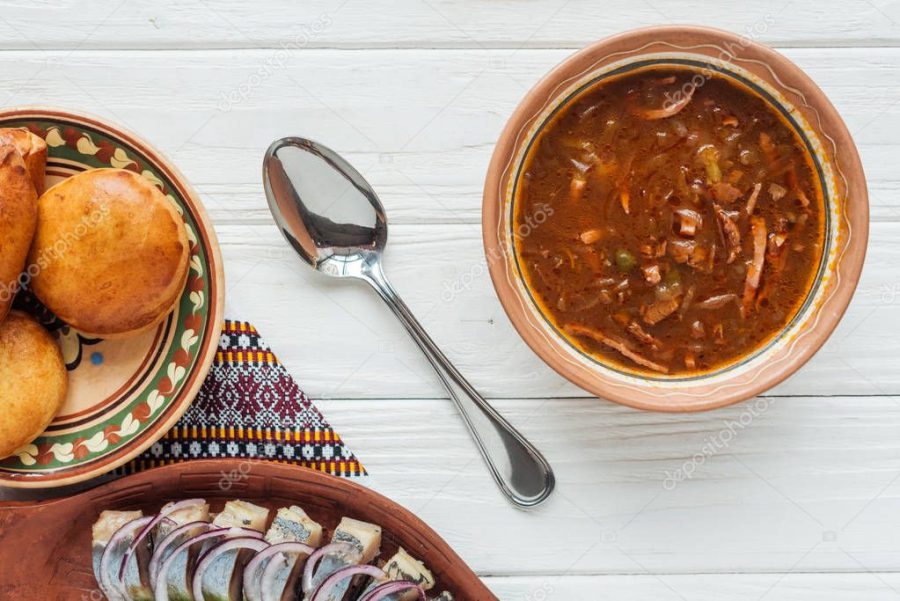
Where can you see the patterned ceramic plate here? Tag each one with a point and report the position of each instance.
(123, 394)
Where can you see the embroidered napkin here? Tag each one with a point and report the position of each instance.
(250, 407)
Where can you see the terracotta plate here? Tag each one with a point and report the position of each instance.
(57, 533)
(761, 71)
(123, 394)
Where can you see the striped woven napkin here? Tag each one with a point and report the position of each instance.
(250, 407)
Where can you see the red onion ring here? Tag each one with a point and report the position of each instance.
(148, 528)
(110, 586)
(166, 511)
(252, 592)
(316, 557)
(339, 576)
(382, 591)
(267, 580)
(241, 542)
(160, 590)
(159, 551)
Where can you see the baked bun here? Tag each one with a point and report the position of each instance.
(112, 250)
(18, 220)
(33, 381)
(33, 150)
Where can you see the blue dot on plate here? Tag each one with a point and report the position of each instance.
(97, 358)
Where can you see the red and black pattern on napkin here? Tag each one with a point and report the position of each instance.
(250, 407)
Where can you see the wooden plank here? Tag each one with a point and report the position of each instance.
(343, 342)
(701, 587)
(415, 93)
(420, 124)
(780, 485)
(777, 486)
(433, 23)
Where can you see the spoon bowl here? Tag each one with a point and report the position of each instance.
(325, 209)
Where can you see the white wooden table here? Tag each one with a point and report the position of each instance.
(802, 503)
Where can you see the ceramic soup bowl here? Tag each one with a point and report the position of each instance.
(803, 107)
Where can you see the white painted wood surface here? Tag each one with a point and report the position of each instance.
(801, 503)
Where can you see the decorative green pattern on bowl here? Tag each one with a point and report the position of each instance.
(174, 359)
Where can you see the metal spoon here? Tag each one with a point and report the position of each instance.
(335, 222)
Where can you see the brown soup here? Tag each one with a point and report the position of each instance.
(681, 226)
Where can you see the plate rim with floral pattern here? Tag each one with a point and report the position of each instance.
(184, 344)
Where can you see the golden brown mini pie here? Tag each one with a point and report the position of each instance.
(33, 381)
(18, 219)
(113, 252)
(33, 150)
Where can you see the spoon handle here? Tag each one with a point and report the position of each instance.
(519, 469)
